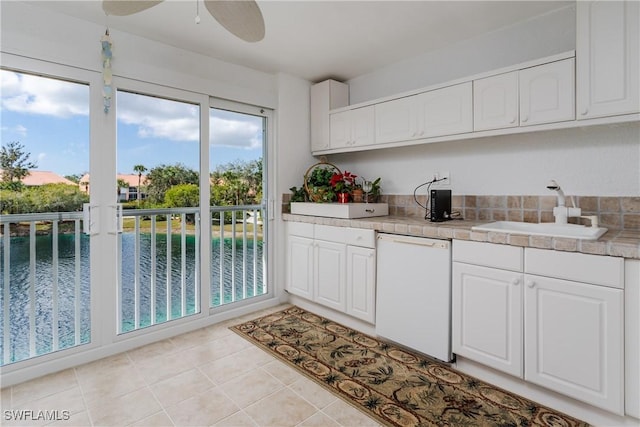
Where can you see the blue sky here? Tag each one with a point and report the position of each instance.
(51, 119)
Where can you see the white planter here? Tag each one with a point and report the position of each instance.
(340, 210)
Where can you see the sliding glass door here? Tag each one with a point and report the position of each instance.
(237, 148)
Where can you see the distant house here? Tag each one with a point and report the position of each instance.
(36, 178)
(125, 194)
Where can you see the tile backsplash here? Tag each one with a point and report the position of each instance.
(612, 212)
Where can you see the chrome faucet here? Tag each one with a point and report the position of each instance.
(562, 212)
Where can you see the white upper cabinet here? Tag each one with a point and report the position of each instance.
(397, 120)
(495, 102)
(547, 93)
(608, 58)
(325, 96)
(352, 128)
(445, 111)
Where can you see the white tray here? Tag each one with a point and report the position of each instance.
(340, 210)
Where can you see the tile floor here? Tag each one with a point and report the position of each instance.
(208, 377)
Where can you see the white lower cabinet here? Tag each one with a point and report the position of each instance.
(574, 340)
(300, 263)
(361, 277)
(565, 333)
(333, 266)
(330, 274)
(487, 316)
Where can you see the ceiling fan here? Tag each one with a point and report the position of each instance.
(241, 18)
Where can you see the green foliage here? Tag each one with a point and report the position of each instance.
(74, 178)
(320, 177)
(163, 177)
(182, 195)
(45, 198)
(237, 183)
(15, 165)
(298, 194)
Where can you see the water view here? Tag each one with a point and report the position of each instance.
(234, 270)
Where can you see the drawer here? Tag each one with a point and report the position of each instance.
(488, 255)
(350, 236)
(585, 268)
(360, 237)
(301, 229)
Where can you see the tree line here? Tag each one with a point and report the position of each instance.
(169, 186)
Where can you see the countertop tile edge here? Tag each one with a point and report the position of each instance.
(618, 243)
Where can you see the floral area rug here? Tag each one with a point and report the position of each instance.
(394, 386)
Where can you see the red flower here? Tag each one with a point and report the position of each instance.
(342, 182)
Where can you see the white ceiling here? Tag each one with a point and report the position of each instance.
(318, 39)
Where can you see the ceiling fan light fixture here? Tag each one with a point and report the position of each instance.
(241, 18)
(127, 7)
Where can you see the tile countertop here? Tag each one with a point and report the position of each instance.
(620, 243)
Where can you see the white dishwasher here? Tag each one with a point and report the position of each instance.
(413, 296)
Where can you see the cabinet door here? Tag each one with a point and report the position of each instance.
(396, 120)
(608, 58)
(300, 266)
(487, 316)
(361, 274)
(547, 93)
(352, 127)
(574, 340)
(330, 274)
(325, 96)
(340, 129)
(495, 102)
(362, 128)
(446, 111)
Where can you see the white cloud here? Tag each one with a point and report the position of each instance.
(41, 157)
(235, 133)
(24, 93)
(159, 118)
(20, 130)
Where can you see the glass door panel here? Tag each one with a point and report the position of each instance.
(158, 143)
(236, 157)
(44, 256)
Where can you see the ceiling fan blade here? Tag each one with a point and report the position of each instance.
(241, 18)
(127, 7)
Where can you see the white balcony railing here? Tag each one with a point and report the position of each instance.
(45, 298)
(45, 289)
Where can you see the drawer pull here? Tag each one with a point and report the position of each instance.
(515, 282)
(531, 283)
(370, 210)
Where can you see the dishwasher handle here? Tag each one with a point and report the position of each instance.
(419, 241)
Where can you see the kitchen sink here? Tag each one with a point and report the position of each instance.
(572, 231)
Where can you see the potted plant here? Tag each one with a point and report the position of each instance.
(318, 184)
(342, 184)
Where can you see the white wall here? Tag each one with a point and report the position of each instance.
(602, 160)
(293, 153)
(538, 37)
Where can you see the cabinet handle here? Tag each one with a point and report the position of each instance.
(421, 132)
(515, 282)
(531, 283)
(513, 120)
(585, 111)
(524, 119)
